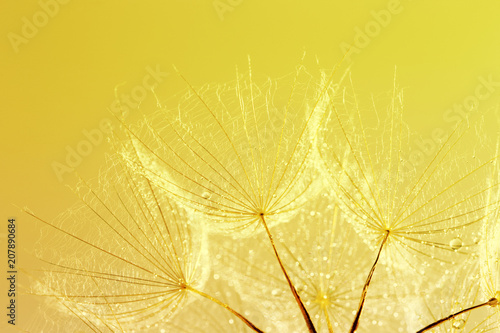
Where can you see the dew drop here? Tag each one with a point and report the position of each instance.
(456, 243)
(206, 195)
(458, 324)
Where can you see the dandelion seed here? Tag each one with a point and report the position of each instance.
(244, 151)
(252, 144)
(393, 202)
(141, 266)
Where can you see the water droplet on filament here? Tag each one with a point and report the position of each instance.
(456, 243)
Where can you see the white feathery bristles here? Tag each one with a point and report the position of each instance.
(431, 206)
(126, 256)
(235, 151)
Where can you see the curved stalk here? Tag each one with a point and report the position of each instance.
(491, 302)
(355, 324)
(303, 309)
(227, 307)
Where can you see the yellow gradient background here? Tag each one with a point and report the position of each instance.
(61, 81)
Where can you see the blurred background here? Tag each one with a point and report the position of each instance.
(65, 63)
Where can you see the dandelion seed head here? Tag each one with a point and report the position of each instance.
(129, 254)
(235, 152)
(369, 157)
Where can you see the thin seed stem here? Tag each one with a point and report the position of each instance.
(355, 324)
(303, 309)
(329, 323)
(227, 307)
(491, 302)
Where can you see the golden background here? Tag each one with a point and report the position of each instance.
(59, 77)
